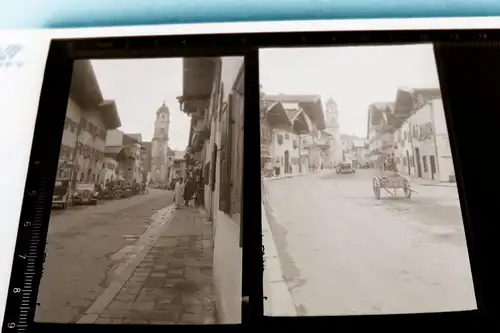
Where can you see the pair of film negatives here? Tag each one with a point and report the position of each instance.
(457, 94)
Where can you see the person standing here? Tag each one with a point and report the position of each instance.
(200, 187)
(179, 192)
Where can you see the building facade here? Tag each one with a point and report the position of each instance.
(285, 151)
(109, 170)
(159, 146)
(423, 144)
(177, 164)
(128, 152)
(214, 97)
(292, 133)
(88, 118)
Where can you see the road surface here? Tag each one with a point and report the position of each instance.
(84, 245)
(345, 253)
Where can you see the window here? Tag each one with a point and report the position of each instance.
(279, 138)
(83, 123)
(424, 162)
(225, 159)
(433, 164)
(287, 136)
(82, 175)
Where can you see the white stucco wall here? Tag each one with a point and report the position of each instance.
(227, 252)
(114, 138)
(278, 151)
(73, 112)
(446, 168)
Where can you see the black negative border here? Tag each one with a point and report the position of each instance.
(176, 46)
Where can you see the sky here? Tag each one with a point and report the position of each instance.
(354, 76)
(139, 87)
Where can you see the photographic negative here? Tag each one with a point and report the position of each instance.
(361, 210)
(144, 227)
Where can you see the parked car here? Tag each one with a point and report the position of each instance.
(85, 193)
(61, 193)
(345, 167)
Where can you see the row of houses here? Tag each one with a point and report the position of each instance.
(93, 149)
(297, 135)
(213, 96)
(413, 128)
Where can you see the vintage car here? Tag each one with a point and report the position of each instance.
(85, 194)
(345, 167)
(61, 193)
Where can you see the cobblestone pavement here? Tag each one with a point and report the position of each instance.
(82, 247)
(173, 284)
(344, 252)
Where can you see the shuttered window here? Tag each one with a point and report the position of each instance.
(225, 159)
(236, 108)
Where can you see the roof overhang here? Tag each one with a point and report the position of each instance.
(315, 112)
(110, 115)
(198, 78)
(302, 124)
(84, 89)
(311, 104)
(277, 117)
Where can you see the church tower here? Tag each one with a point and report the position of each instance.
(333, 127)
(159, 145)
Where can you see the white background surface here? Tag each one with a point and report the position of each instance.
(20, 91)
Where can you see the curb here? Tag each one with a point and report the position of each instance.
(437, 185)
(295, 175)
(278, 301)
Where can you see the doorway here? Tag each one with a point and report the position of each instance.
(433, 166)
(287, 162)
(419, 165)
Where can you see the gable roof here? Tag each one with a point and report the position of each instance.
(311, 104)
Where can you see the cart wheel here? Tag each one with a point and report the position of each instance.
(376, 187)
(407, 191)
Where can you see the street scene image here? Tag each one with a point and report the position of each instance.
(361, 213)
(144, 227)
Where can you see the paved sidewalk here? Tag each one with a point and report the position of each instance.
(428, 182)
(173, 284)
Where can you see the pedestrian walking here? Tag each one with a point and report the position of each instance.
(179, 192)
(200, 191)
